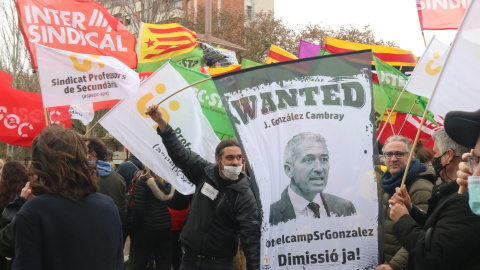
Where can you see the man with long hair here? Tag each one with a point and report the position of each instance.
(224, 207)
(68, 225)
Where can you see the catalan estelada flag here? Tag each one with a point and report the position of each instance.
(162, 41)
(392, 56)
(276, 54)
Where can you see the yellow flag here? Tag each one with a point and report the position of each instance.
(162, 41)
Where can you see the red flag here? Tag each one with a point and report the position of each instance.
(410, 128)
(75, 25)
(22, 116)
(108, 104)
(393, 56)
(441, 15)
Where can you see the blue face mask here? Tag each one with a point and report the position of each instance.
(474, 193)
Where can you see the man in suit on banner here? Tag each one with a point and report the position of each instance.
(306, 163)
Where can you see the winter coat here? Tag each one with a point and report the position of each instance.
(7, 240)
(127, 170)
(150, 199)
(55, 233)
(420, 191)
(448, 237)
(213, 226)
(113, 186)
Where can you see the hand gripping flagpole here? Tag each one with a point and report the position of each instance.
(174, 93)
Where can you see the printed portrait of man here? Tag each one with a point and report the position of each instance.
(306, 162)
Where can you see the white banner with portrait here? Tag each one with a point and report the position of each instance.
(306, 128)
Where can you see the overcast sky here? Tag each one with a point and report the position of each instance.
(393, 20)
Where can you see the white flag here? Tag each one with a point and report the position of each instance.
(457, 87)
(82, 112)
(128, 123)
(68, 78)
(426, 73)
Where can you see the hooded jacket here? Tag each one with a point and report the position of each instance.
(150, 199)
(112, 185)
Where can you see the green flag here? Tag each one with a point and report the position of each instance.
(393, 81)
(192, 60)
(207, 95)
(323, 52)
(248, 63)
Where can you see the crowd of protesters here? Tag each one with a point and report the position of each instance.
(72, 209)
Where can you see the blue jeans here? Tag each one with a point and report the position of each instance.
(191, 261)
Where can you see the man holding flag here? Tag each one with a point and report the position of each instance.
(223, 208)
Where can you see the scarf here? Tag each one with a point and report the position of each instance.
(104, 168)
(390, 182)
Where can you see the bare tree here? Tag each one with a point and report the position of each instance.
(258, 34)
(132, 12)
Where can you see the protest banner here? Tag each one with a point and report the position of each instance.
(75, 25)
(68, 78)
(441, 15)
(22, 114)
(299, 132)
(425, 75)
(129, 124)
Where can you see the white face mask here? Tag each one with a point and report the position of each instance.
(231, 172)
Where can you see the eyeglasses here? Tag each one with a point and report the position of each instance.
(472, 162)
(397, 154)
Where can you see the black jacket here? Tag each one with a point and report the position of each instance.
(213, 226)
(448, 237)
(150, 199)
(7, 239)
(127, 170)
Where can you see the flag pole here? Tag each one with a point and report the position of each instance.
(186, 87)
(45, 110)
(390, 113)
(393, 131)
(414, 145)
(174, 93)
(406, 118)
(424, 41)
(47, 119)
